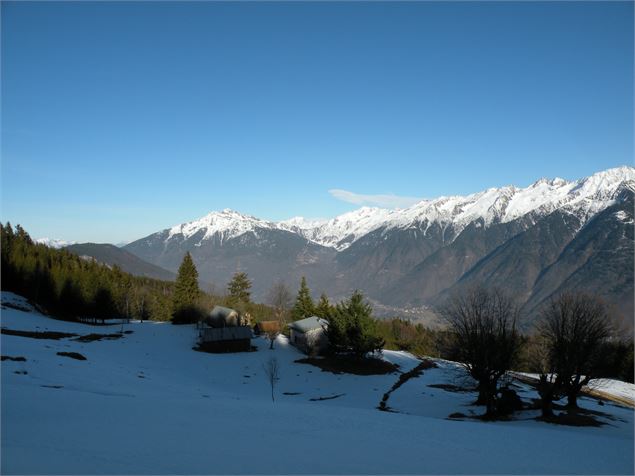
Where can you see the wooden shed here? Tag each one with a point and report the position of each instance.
(308, 335)
(225, 317)
(224, 331)
(264, 327)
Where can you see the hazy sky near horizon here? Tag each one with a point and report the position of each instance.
(122, 118)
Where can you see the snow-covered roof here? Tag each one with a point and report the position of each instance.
(308, 324)
(221, 311)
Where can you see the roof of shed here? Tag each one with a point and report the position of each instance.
(309, 324)
(222, 311)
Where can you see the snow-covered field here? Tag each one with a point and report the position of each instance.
(148, 404)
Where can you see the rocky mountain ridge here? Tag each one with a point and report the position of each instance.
(517, 238)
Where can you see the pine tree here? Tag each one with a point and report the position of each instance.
(186, 292)
(238, 289)
(324, 309)
(303, 306)
(352, 328)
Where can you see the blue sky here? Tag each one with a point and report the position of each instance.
(120, 118)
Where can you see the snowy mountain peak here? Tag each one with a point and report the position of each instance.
(584, 198)
(557, 182)
(341, 231)
(226, 223)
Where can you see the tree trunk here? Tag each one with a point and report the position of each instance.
(546, 407)
(487, 397)
(491, 406)
(482, 395)
(572, 399)
(547, 391)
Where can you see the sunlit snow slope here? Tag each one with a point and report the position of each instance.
(148, 404)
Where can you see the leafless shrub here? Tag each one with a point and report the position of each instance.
(279, 297)
(272, 371)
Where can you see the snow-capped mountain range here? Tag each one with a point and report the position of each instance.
(582, 198)
(551, 236)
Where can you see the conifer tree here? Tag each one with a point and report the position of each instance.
(186, 292)
(303, 306)
(324, 309)
(352, 329)
(238, 289)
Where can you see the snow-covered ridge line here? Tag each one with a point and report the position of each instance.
(584, 198)
(227, 223)
(54, 243)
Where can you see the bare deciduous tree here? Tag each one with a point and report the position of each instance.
(272, 371)
(272, 334)
(483, 322)
(548, 387)
(573, 328)
(279, 297)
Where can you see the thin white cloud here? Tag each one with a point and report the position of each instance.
(384, 201)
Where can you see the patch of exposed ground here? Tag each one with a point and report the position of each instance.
(98, 337)
(51, 335)
(574, 417)
(403, 378)
(11, 305)
(448, 387)
(319, 399)
(37, 334)
(350, 365)
(72, 355)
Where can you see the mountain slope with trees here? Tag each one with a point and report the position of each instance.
(537, 241)
(114, 256)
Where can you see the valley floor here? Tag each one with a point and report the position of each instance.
(146, 403)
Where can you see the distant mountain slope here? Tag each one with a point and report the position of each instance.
(535, 241)
(266, 254)
(599, 259)
(128, 262)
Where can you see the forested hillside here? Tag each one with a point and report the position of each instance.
(69, 287)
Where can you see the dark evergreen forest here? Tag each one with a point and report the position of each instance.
(69, 287)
